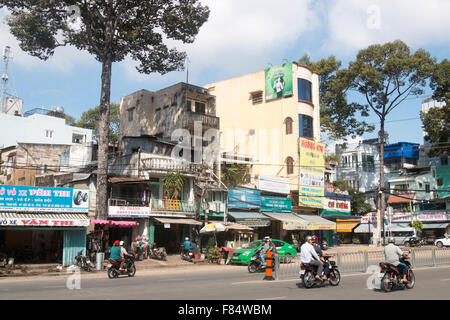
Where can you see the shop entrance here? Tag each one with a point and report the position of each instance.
(32, 246)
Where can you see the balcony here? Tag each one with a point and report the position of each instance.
(208, 121)
(159, 163)
(160, 205)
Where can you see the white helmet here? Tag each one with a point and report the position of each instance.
(187, 239)
(121, 243)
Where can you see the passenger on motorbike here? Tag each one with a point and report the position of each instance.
(116, 252)
(309, 256)
(123, 254)
(326, 266)
(393, 254)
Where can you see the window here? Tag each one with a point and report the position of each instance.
(290, 165)
(440, 182)
(427, 188)
(49, 134)
(257, 97)
(444, 161)
(196, 106)
(304, 90)
(305, 126)
(288, 122)
(130, 114)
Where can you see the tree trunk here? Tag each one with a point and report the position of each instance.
(103, 132)
(381, 195)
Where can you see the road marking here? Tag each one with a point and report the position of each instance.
(275, 298)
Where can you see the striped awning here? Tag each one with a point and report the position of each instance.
(179, 221)
(14, 219)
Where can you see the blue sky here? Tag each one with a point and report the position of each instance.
(242, 37)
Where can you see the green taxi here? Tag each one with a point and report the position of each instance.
(286, 251)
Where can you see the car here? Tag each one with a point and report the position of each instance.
(442, 242)
(286, 251)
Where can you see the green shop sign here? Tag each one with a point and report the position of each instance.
(279, 81)
(276, 204)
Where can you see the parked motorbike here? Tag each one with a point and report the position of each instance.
(114, 268)
(308, 273)
(82, 262)
(158, 253)
(256, 264)
(391, 277)
(414, 242)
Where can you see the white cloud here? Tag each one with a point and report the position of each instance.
(355, 24)
(243, 36)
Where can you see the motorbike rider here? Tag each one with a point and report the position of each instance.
(264, 249)
(116, 252)
(186, 245)
(308, 255)
(392, 254)
(326, 266)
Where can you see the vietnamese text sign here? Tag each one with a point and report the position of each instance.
(276, 204)
(44, 222)
(279, 81)
(244, 198)
(274, 184)
(128, 212)
(311, 177)
(23, 198)
(339, 205)
(424, 216)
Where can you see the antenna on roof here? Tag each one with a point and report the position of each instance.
(186, 63)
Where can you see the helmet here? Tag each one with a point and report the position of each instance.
(391, 240)
(308, 238)
(116, 242)
(314, 238)
(138, 239)
(187, 239)
(121, 243)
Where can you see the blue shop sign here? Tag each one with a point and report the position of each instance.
(276, 204)
(32, 199)
(244, 198)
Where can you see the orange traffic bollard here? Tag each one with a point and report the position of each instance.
(269, 267)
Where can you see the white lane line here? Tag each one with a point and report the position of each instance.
(275, 298)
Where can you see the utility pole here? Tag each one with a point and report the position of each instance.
(381, 195)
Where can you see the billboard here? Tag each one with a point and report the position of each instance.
(244, 198)
(311, 175)
(275, 204)
(128, 212)
(279, 81)
(275, 184)
(43, 199)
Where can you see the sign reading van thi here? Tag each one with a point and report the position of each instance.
(279, 81)
(43, 199)
(311, 176)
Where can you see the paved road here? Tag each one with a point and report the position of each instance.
(217, 283)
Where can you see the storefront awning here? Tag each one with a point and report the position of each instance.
(293, 221)
(314, 222)
(121, 224)
(250, 218)
(435, 225)
(13, 219)
(179, 221)
(346, 225)
(365, 228)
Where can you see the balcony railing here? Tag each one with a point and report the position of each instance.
(173, 205)
(206, 120)
(167, 164)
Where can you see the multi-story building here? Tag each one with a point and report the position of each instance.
(153, 126)
(41, 126)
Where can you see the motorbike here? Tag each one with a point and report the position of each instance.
(82, 262)
(129, 267)
(187, 255)
(414, 242)
(158, 253)
(324, 245)
(391, 276)
(308, 273)
(256, 264)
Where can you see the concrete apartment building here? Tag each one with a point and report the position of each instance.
(263, 114)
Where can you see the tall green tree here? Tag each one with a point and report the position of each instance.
(358, 204)
(110, 30)
(338, 117)
(436, 121)
(173, 183)
(385, 75)
(235, 175)
(90, 120)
